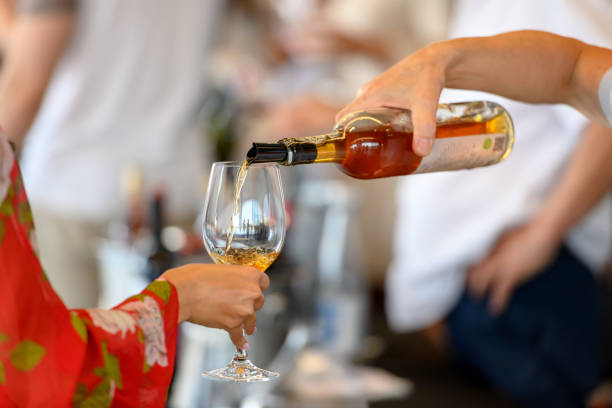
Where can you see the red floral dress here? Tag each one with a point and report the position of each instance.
(52, 356)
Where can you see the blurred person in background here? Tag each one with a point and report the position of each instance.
(89, 89)
(509, 264)
(516, 232)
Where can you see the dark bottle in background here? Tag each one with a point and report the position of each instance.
(160, 258)
(220, 113)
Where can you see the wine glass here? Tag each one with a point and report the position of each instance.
(244, 224)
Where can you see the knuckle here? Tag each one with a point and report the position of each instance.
(252, 274)
(245, 312)
(254, 271)
(363, 89)
(254, 291)
(234, 323)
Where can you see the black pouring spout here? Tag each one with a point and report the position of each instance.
(267, 152)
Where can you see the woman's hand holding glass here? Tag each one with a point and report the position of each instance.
(220, 296)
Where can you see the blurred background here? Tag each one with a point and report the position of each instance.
(126, 104)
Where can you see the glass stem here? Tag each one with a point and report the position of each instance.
(240, 354)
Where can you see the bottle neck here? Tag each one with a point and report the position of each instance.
(300, 153)
(326, 148)
(330, 152)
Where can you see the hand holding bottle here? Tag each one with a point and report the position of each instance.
(220, 296)
(415, 83)
(529, 66)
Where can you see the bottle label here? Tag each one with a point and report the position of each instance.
(464, 152)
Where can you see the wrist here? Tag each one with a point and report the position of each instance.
(549, 228)
(448, 56)
(182, 291)
(442, 55)
(463, 59)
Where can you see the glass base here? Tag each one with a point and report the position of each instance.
(240, 371)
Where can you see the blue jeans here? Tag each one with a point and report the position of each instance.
(545, 349)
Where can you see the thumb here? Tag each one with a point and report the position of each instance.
(424, 127)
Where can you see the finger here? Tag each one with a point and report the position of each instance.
(345, 111)
(368, 96)
(372, 101)
(237, 337)
(264, 281)
(358, 104)
(259, 302)
(249, 325)
(424, 125)
(501, 292)
(480, 278)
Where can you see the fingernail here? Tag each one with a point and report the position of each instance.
(424, 145)
(246, 346)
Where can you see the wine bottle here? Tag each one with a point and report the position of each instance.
(378, 142)
(160, 258)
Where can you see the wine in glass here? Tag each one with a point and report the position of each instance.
(244, 224)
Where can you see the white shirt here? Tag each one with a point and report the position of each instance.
(125, 93)
(447, 221)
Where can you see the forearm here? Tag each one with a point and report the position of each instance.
(7, 18)
(584, 181)
(530, 66)
(36, 43)
(140, 336)
(18, 107)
